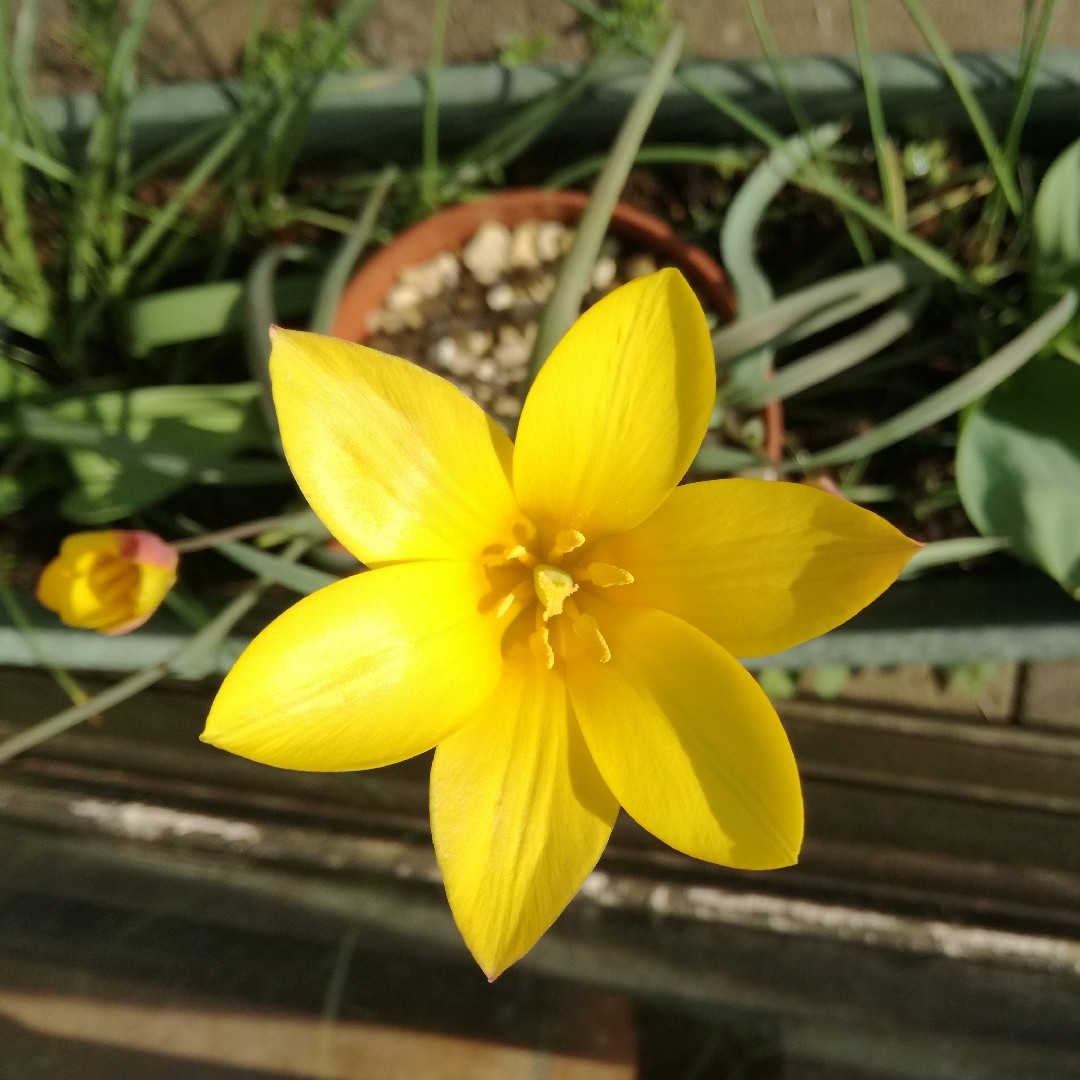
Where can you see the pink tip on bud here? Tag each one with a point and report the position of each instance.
(147, 547)
(274, 331)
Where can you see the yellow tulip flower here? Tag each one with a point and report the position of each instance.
(110, 581)
(557, 616)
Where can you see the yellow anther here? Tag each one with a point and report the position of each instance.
(565, 541)
(606, 575)
(540, 645)
(569, 540)
(522, 554)
(552, 586)
(519, 593)
(587, 628)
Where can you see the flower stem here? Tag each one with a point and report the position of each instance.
(207, 638)
(304, 519)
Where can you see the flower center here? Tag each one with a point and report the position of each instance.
(551, 586)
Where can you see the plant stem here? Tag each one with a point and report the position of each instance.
(304, 519)
(208, 637)
(564, 306)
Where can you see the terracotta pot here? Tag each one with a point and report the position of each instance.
(452, 228)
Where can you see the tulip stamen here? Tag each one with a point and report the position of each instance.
(522, 555)
(540, 642)
(604, 574)
(518, 594)
(566, 541)
(587, 628)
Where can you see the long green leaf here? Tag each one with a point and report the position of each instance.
(296, 576)
(952, 398)
(206, 311)
(564, 304)
(753, 289)
(293, 575)
(259, 316)
(833, 359)
(960, 549)
(37, 160)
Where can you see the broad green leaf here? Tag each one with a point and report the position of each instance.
(1018, 467)
(1055, 220)
(205, 311)
(130, 449)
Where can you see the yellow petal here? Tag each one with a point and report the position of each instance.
(370, 670)
(519, 814)
(396, 462)
(619, 410)
(154, 583)
(686, 740)
(757, 565)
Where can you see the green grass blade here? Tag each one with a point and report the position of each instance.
(164, 219)
(565, 303)
(36, 160)
(337, 273)
(952, 398)
(776, 64)
(979, 122)
(891, 180)
(104, 151)
(726, 159)
(22, 45)
(812, 178)
(488, 158)
(429, 175)
(772, 56)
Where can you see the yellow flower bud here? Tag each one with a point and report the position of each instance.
(110, 581)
